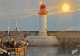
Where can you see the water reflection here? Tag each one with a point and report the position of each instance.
(51, 51)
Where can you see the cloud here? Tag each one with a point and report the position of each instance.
(75, 28)
(16, 12)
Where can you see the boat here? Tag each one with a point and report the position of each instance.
(19, 50)
(13, 47)
(15, 50)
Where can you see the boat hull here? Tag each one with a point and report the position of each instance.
(17, 51)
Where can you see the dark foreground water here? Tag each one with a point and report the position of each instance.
(52, 51)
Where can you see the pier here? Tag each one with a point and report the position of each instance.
(63, 37)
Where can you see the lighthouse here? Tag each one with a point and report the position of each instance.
(42, 39)
(42, 20)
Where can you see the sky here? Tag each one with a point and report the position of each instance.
(26, 13)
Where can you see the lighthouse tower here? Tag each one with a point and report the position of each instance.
(42, 39)
(42, 20)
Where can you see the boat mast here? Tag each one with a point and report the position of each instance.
(8, 28)
(16, 24)
(16, 27)
(15, 30)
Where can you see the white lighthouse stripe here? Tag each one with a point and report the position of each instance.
(43, 25)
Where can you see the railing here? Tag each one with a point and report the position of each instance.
(17, 51)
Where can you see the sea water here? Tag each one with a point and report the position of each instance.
(52, 51)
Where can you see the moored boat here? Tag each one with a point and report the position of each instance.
(19, 49)
(13, 45)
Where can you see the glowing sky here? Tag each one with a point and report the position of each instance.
(26, 13)
(65, 7)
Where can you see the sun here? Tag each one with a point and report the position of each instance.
(65, 7)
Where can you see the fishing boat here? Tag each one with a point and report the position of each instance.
(15, 50)
(13, 46)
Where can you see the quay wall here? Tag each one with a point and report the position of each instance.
(42, 40)
(63, 37)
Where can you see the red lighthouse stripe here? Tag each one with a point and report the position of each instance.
(43, 12)
(42, 9)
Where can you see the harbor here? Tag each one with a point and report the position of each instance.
(70, 38)
(40, 28)
(66, 41)
(52, 51)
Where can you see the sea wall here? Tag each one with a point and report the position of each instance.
(64, 37)
(42, 40)
(69, 40)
